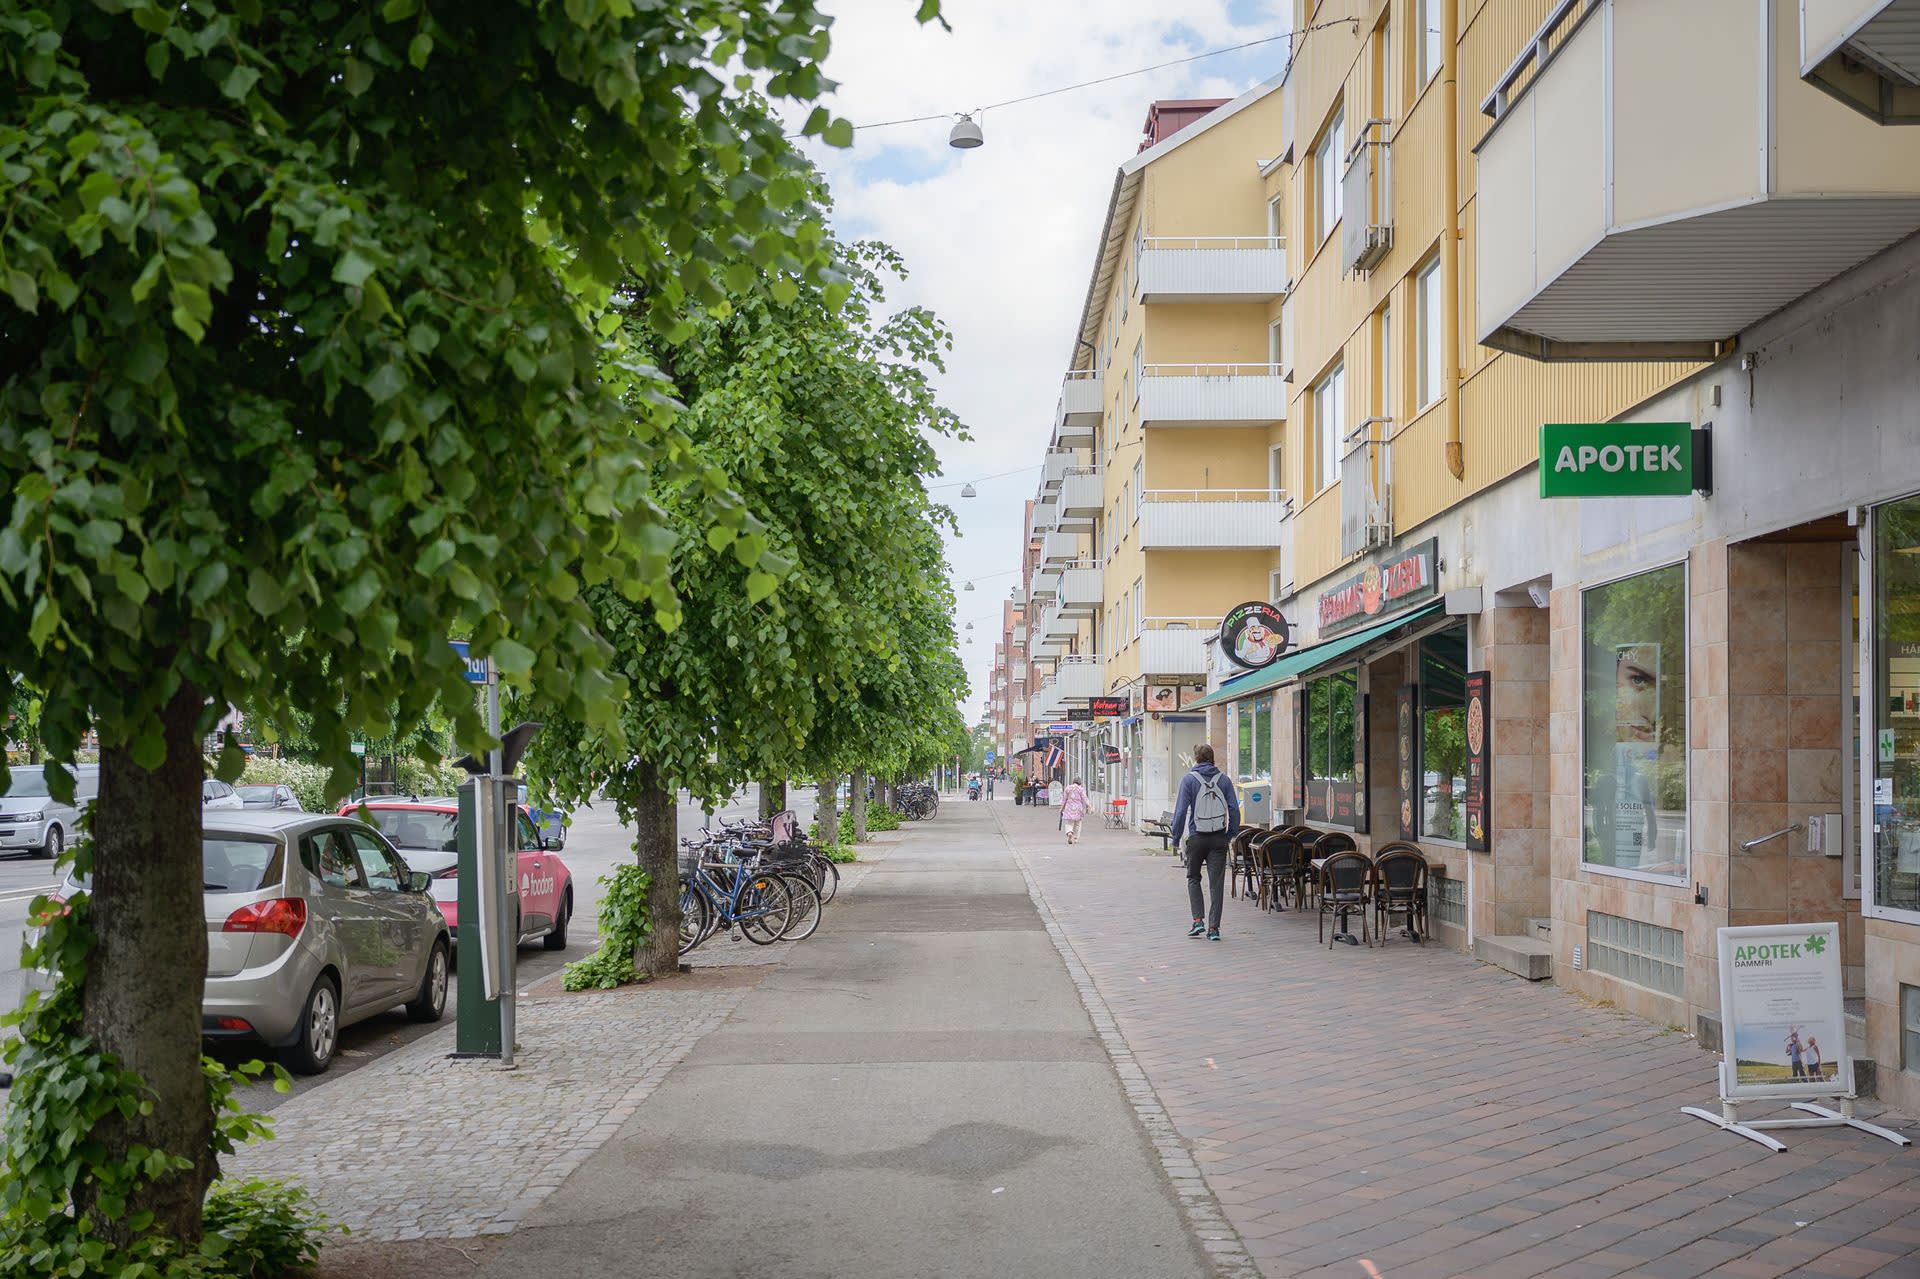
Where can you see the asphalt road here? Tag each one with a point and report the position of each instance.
(596, 843)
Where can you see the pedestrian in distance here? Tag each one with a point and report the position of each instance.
(1073, 810)
(1209, 807)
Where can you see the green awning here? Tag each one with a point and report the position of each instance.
(1294, 665)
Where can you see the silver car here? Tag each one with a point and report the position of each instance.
(313, 923)
(32, 820)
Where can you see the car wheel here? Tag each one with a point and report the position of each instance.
(556, 938)
(312, 1050)
(56, 842)
(430, 1001)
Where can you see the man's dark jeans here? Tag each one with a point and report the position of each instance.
(1209, 851)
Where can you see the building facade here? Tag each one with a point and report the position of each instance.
(1160, 504)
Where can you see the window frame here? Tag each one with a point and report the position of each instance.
(1383, 383)
(1139, 486)
(1327, 166)
(1868, 719)
(1428, 11)
(1139, 365)
(1429, 347)
(1418, 653)
(1686, 726)
(1361, 745)
(1330, 386)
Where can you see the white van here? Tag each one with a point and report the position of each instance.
(32, 821)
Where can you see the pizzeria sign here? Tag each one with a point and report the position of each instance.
(1403, 578)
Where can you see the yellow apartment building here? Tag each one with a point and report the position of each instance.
(1619, 722)
(1160, 504)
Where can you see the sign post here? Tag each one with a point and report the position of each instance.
(1625, 459)
(484, 1018)
(1780, 998)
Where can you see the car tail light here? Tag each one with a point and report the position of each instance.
(233, 1023)
(286, 915)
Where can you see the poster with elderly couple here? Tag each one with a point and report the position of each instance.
(1781, 994)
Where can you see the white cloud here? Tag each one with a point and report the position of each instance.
(1000, 241)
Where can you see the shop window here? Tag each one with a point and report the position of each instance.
(1644, 954)
(1253, 739)
(1634, 686)
(1896, 682)
(1443, 734)
(1333, 783)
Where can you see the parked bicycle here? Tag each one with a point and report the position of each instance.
(916, 801)
(760, 876)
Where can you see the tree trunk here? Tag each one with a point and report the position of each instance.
(657, 840)
(145, 978)
(859, 806)
(827, 811)
(773, 798)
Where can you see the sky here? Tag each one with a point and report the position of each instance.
(1000, 241)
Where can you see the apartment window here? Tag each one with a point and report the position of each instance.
(1327, 158)
(1634, 677)
(1428, 52)
(1383, 68)
(1126, 500)
(1273, 218)
(1139, 486)
(1139, 606)
(1276, 584)
(1286, 336)
(1427, 337)
(1330, 422)
(1383, 362)
(1126, 287)
(1139, 366)
(1274, 484)
(1276, 345)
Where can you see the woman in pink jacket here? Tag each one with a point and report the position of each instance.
(1073, 810)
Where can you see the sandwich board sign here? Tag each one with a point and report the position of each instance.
(1784, 1030)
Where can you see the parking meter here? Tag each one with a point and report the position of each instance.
(489, 918)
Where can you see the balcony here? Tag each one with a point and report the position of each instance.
(1865, 53)
(1078, 413)
(1658, 178)
(1081, 499)
(1060, 549)
(1366, 199)
(1046, 583)
(1212, 395)
(1213, 519)
(1074, 680)
(1366, 494)
(1213, 268)
(1176, 645)
(1046, 513)
(1054, 468)
(1057, 626)
(1082, 591)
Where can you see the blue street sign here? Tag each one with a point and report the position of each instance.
(476, 666)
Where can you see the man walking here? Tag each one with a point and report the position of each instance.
(1208, 802)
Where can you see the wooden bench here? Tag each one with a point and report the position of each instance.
(1162, 827)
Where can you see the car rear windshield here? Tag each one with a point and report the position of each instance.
(257, 792)
(418, 828)
(238, 863)
(228, 864)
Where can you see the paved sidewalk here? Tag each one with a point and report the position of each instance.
(419, 1146)
(917, 1090)
(1408, 1112)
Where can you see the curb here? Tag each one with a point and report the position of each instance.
(1209, 1224)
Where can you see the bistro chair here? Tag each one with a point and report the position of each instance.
(1282, 858)
(1346, 890)
(1240, 860)
(1400, 888)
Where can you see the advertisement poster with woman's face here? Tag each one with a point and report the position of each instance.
(1636, 729)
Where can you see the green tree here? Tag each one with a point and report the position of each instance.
(301, 370)
(817, 411)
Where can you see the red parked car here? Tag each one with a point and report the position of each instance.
(424, 830)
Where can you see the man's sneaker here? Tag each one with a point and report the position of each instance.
(1213, 934)
(1197, 929)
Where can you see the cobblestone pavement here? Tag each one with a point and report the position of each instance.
(1408, 1112)
(418, 1145)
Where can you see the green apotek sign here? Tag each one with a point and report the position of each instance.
(1621, 459)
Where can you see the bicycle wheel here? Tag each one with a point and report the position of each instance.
(764, 909)
(696, 917)
(804, 915)
(828, 876)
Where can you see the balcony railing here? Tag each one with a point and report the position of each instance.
(1213, 519)
(1660, 221)
(1212, 395)
(1366, 199)
(1046, 583)
(1366, 492)
(1054, 468)
(1046, 513)
(1077, 677)
(1078, 413)
(1060, 548)
(1213, 268)
(1175, 645)
(1081, 500)
(1082, 590)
